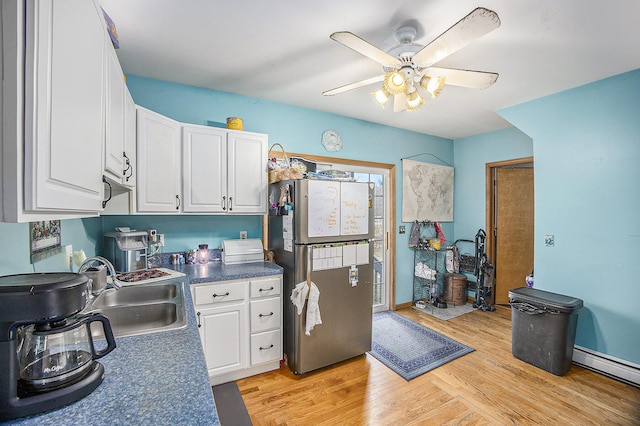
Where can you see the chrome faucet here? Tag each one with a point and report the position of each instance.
(96, 262)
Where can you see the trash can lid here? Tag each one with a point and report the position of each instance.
(547, 299)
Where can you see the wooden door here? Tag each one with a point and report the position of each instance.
(514, 230)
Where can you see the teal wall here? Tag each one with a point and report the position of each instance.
(298, 130)
(14, 250)
(586, 144)
(471, 155)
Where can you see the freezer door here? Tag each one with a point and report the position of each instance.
(346, 298)
(329, 211)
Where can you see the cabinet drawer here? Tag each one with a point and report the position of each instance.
(265, 314)
(265, 287)
(218, 293)
(266, 346)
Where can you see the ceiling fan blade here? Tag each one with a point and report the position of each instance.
(365, 48)
(399, 102)
(479, 22)
(355, 85)
(463, 78)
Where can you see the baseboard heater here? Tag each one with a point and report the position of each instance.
(608, 365)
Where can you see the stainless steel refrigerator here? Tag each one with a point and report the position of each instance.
(322, 230)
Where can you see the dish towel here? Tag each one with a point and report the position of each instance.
(298, 295)
(313, 309)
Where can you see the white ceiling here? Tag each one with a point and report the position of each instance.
(280, 50)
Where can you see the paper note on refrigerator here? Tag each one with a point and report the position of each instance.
(354, 208)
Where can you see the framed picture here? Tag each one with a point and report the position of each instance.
(45, 239)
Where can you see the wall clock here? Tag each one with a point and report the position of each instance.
(331, 141)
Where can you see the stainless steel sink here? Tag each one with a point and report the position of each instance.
(136, 294)
(141, 309)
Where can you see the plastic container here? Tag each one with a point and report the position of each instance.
(543, 328)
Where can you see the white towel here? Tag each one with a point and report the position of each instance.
(298, 295)
(313, 309)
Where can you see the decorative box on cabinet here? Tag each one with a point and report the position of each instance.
(240, 324)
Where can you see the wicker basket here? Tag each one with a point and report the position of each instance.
(281, 167)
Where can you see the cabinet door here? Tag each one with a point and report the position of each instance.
(130, 167)
(159, 168)
(247, 172)
(204, 166)
(115, 115)
(223, 333)
(64, 106)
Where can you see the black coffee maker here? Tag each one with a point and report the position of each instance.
(47, 353)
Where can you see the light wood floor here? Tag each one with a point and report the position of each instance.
(488, 386)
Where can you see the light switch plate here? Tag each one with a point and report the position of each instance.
(549, 240)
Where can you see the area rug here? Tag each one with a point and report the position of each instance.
(447, 313)
(411, 349)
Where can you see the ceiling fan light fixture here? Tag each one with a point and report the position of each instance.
(414, 101)
(395, 82)
(382, 96)
(433, 85)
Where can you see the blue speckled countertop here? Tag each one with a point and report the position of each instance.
(158, 378)
(218, 271)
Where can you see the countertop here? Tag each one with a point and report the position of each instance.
(218, 271)
(158, 378)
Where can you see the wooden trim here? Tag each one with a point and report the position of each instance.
(402, 306)
(490, 169)
(392, 209)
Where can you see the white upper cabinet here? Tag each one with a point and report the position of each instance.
(204, 167)
(115, 115)
(64, 106)
(158, 183)
(224, 171)
(130, 167)
(247, 172)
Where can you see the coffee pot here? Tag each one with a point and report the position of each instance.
(47, 352)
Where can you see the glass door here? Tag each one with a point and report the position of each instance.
(381, 254)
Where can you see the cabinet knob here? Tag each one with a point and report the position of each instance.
(199, 324)
(230, 203)
(268, 347)
(265, 289)
(177, 202)
(214, 295)
(224, 203)
(266, 315)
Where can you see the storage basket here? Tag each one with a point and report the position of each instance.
(280, 168)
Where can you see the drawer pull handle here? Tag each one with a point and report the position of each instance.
(264, 349)
(266, 289)
(220, 295)
(199, 324)
(266, 315)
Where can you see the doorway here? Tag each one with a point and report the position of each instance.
(510, 224)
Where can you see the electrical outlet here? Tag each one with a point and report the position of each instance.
(243, 235)
(69, 256)
(402, 229)
(160, 240)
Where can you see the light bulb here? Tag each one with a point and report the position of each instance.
(382, 96)
(395, 82)
(414, 100)
(433, 85)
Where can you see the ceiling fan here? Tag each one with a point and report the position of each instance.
(409, 66)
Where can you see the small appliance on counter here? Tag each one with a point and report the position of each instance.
(242, 251)
(126, 249)
(47, 353)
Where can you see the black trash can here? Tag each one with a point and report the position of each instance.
(543, 328)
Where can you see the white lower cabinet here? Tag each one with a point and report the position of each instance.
(240, 323)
